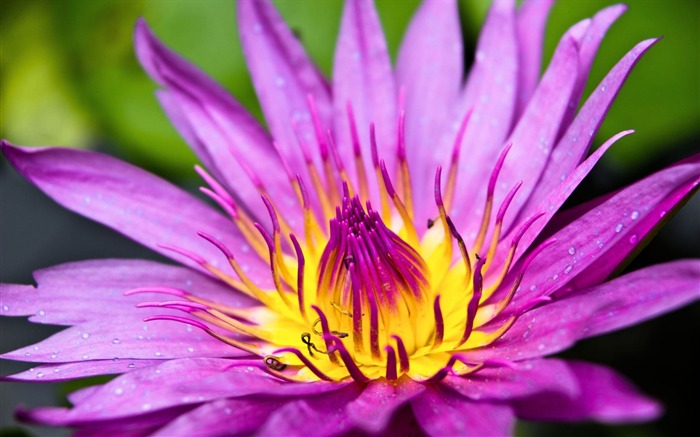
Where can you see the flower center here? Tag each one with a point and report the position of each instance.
(364, 296)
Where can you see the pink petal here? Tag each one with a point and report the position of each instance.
(625, 301)
(283, 76)
(373, 409)
(442, 412)
(604, 396)
(524, 379)
(530, 25)
(125, 337)
(215, 125)
(591, 247)
(429, 71)
(222, 417)
(362, 75)
(131, 201)
(600, 24)
(575, 143)
(61, 300)
(319, 416)
(536, 131)
(491, 93)
(75, 370)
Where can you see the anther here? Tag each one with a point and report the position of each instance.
(274, 363)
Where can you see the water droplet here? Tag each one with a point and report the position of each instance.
(603, 88)
(533, 287)
(85, 335)
(41, 313)
(27, 354)
(36, 348)
(568, 269)
(555, 277)
(131, 365)
(39, 375)
(85, 357)
(540, 347)
(32, 370)
(599, 243)
(53, 356)
(572, 250)
(633, 239)
(116, 341)
(190, 349)
(158, 354)
(5, 308)
(619, 227)
(146, 407)
(634, 215)
(118, 391)
(56, 370)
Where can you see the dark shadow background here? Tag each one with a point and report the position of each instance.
(98, 98)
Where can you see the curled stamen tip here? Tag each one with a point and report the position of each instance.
(196, 258)
(184, 320)
(225, 250)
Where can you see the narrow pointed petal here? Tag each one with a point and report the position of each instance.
(441, 411)
(524, 379)
(130, 201)
(627, 300)
(530, 24)
(75, 370)
(124, 337)
(283, 76)
(600, 24)
(61, 300)
(212, 122)
(604, 396)
(577, 140)
(231, 417)
(590, 248)
(363, 411)
(320, 416)
(429, 70)
(491, 93)
(363, 76)
(535, 134)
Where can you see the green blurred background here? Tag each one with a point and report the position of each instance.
(68, 77)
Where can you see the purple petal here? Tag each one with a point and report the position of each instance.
(69, 371)
(429, 71)
(222, 417)
(125, 337)
(604, 396)
(373, 409)
(536, 131)
(591, 247)
(319, 416)
(575, 143)
(215, 125)
(625, 301)
(600, 24)
(131, 201)
(491, 93)
(283, 76)
(362, 75)
(61, 300)
(524, 379)
(530, 25)
(177, 383)
(442, 412)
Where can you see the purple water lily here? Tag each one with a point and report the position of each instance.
(391, 257)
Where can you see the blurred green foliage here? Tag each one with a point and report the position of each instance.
(69, 76)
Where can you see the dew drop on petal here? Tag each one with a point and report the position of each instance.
(146, 407)
(619, 227)
(40, 375)
(634, 215)
(56, 370)
(633, 239)
(118, 391)
(116, 341)
(131, 365)
(5, 308)
(572, 250)
(53, 356)
(41, 313)
(158, 354)
(568, 269)
(190, 349)
(85, 335)
(85, 357)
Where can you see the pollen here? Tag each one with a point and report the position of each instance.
(361, 293)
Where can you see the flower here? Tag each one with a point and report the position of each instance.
(392, 258)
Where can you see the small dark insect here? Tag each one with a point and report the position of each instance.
(274, 363)
(431, 223)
